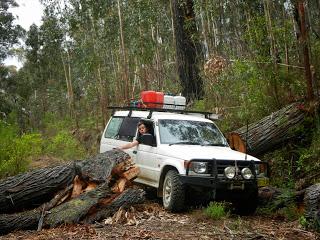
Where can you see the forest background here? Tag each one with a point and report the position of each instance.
(241, 59)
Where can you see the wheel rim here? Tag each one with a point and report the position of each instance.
(167, 189)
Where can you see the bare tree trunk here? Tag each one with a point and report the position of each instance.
(124, 55)
(188, 49)
(273, 48)
(158, 60)
(303, 40)
(204, 34)
(68, 85)
(103, 96)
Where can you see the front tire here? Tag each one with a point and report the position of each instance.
(173, 192)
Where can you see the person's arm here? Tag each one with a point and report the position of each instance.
(129, 145)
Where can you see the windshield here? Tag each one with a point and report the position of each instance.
(190, 133)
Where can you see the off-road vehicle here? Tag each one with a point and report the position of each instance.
(185, 157)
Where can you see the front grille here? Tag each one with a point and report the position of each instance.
(216, 167)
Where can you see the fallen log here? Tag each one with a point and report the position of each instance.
(312, 206)
(269, 132)
(128, 198)
(94, 185)
(31, 189)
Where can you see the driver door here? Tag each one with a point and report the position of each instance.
(147, 161)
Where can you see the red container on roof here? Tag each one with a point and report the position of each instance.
(159, 99)
(149, 98)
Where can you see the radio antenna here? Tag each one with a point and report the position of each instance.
(246, 156)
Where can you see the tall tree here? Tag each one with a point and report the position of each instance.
(304, 44)
(9, 32)
(188, 49)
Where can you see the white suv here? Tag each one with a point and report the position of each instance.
(186, 155)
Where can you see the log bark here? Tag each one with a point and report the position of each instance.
(312, 205)
(128, 198)
(93, 206)
(93, 190)
(269, 132)
(76, 209)
(31, 189)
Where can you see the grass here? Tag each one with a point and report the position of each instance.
(217, 210)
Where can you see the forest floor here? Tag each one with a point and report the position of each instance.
(150, 221)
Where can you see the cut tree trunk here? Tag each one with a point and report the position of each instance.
(269, 132)
(30, 190)
(78, 192)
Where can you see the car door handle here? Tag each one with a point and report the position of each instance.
(134, 152)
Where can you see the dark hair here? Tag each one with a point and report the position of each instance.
(146, 125)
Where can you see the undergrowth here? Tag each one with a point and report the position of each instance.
(18, 150)
(217, 210)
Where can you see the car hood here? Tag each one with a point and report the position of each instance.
(188, 152)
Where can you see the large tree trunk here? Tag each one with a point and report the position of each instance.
(31, 189)
(187, 49)
(304, 46)
(83, 191)
(269, 132)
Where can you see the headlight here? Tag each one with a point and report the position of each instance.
(199, 167)
(230, 172)
(246, 173)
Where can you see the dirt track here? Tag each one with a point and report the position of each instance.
(150, 221)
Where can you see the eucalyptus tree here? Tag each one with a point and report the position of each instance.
(187, 49)
(9, 31)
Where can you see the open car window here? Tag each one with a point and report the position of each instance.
(128, 128)
(150, 140)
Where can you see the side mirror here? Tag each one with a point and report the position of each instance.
(148, 139)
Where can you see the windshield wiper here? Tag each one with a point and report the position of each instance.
(185, 142)
(216, 144)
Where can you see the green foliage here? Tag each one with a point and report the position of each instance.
(303, 221)
(308, 157)
(60, 142)
(290, 212)
(217, 210)
(9, 32)
(64, 145)
(240, 94)
(282, 206)
(16, 151)
(199, 105)
(281, 165)
(52, 124)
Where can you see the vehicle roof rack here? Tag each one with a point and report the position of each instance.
(207, 115)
